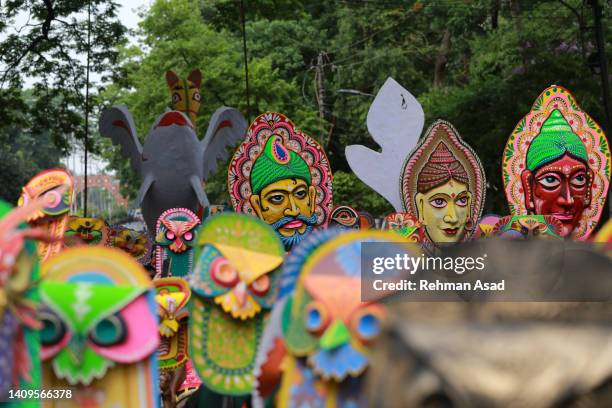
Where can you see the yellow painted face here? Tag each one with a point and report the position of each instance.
(444, 211)
(282, 202)
(185, 93)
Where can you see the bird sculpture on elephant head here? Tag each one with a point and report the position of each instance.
(173, 163)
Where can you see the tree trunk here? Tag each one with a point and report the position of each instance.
(442, 59)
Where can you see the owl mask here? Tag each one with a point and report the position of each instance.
(235, 283)
(175, 237)
(99, 328)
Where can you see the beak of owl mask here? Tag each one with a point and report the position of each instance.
(336, 358)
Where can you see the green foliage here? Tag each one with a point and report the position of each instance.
(349, 190)
(498, 57)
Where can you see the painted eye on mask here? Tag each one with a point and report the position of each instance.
(301, 194)
(196, 97)
(438, 203)
(261, 285)
(462, 201)
(579, 180)
(53, 330)
(176, 98)
(223, 273)
(276, 199)
(170, 235)
(52, 198)
(315, 318)
(188, 236)
(367, 325)
(549, 182)
(109, 331)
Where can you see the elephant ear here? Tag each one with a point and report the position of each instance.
(117, 124)
(226, 128)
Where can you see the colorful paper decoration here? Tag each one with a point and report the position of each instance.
(234, 284)
(185, 93)
(528, 226)
(100, 333)
(366, 220)
(55, 187)
(557, 147)
(172, 297)
(19, 344)
(283, 176)
(136, 244)
(443, 184)
(86, 231)
(324, 327)
(344, 217)
(175, 237)
(395, 121)
(406, 225)
(485, 226)
(173, 163)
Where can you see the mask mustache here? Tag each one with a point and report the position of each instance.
(309, 221)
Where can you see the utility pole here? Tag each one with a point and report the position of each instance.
(603, 71)
(320, 84)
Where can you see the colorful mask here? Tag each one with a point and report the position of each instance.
(326, 330)
(175, 237)
(235, 284)
(55, 187)
(100, 328)
(557, 162)
(283, 176)
(172, 297)
(344, 217)
(404, 224)
(185, 93)
(135, 243)
(443, 183)
(528, 226)
(19, 344)
(89, 231)
(173, 164)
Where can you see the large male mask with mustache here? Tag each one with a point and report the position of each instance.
(283, 194)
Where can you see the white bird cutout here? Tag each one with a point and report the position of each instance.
(395, 121)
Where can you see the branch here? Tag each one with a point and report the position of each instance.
(46, 27)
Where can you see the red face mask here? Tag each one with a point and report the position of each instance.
(561, 189)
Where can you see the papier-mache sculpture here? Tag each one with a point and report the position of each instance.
(283, 176)
(19, 272)
(135, 243)
(86, 231)
(443, 184)
(172, 296)
(175, 235)
(234, 285)
(185, 93)
(173, 164)
(439, 180)
(100, 329)
(55, 187)
(321, 325)
(557, 162)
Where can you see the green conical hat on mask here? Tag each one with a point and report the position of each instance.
(555, 139)
(275, 163)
